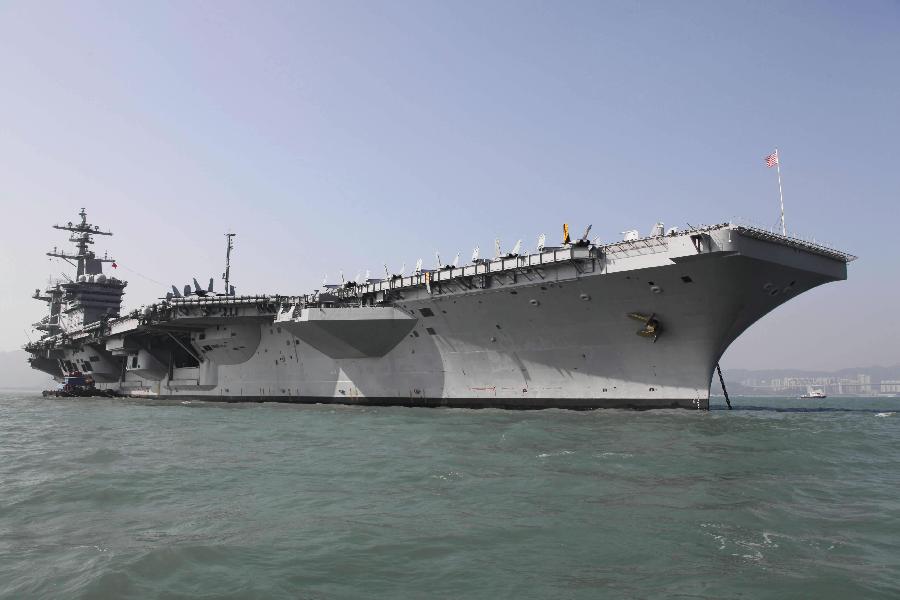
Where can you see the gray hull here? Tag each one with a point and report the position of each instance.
(542, 331)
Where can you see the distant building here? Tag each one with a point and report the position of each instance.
(890, 387)
(859, 385)
(865, 384)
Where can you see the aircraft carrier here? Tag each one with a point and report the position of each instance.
(640, 323)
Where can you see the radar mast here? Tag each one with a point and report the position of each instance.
(229, 246)
(82, 235)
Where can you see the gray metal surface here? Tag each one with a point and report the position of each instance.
(557, 328)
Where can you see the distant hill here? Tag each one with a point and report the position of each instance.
(876, 373)
(735, 377)
(16, 374)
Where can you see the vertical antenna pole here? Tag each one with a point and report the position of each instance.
(780, 193)
(227, 274)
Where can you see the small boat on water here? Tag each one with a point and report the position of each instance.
(813, 393)
(77, 384)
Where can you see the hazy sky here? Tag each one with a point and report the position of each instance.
(342, 135)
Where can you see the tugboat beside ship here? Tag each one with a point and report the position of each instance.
(77, 384)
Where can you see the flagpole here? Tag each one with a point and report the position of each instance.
(780, 193)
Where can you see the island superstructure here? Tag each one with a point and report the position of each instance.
(639, 323)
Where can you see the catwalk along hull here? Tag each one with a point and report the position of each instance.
(545, 330)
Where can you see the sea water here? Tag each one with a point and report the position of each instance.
(118, 498)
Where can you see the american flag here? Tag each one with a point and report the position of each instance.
(772, 159)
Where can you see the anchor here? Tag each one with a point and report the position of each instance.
(651, 328)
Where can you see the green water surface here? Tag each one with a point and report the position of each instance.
(112, 498)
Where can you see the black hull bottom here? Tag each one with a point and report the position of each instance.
(80, 394)
(505, 403)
